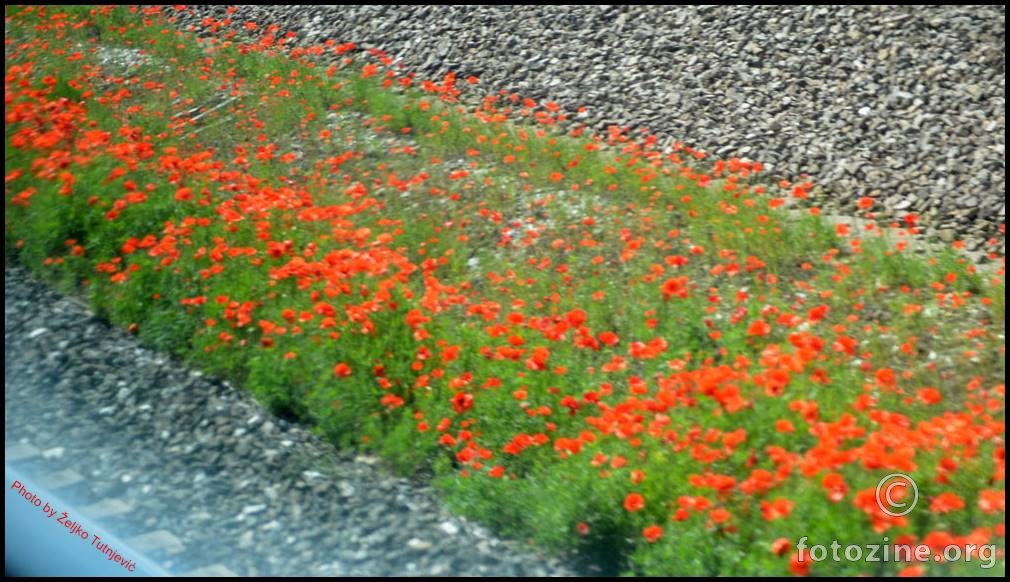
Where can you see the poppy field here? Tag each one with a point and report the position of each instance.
(666, 363)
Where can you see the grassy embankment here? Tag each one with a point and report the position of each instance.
(587, 342)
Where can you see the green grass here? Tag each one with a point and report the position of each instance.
(433, 249)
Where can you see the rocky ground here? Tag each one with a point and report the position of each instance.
(905, 104)
(196, 472)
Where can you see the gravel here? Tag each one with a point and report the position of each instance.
(902, 103)
(201, 474)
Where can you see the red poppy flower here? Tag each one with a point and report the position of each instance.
(652, 533)
(462, 402)
(634, 502)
